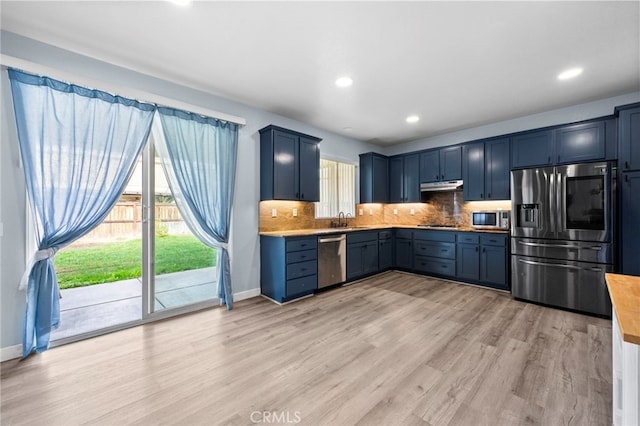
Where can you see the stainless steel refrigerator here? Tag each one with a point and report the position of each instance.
(562, 235)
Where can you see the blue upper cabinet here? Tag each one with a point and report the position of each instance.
(473, 171)
(451, 163)
(532, 149)
(374, 178)
(485, 170)
(496, 169)
(289, 165)
(580, 142)
(430, 166)
(629, 134)
(404, 179)
(441, 164)
(411, 172)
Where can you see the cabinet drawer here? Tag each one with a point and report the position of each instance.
(301, 256)
(384, 235)
(302, 244)
(468, 238)
(361, 237)
(493, 240)
(435, 266)
(304, 285)
(404, 233)
(434, 249)
(297, 270)
(435, 236)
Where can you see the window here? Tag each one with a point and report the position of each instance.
(337, 189)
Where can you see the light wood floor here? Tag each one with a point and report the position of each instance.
(393, 349)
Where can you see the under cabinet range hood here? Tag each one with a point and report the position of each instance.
(450, 185)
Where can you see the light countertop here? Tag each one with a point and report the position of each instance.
(324, 231)
(624, 291)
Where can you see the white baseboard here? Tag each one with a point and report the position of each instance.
(10, 352)
(254, 292)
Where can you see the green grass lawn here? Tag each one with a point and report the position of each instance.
(103, 263)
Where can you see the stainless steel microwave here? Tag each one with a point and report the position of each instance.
(491, 219)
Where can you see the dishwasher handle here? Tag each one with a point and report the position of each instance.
(332, 240)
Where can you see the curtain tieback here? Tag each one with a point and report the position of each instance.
(37, 257)
(224, 246)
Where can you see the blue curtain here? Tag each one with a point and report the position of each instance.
(79, 148)
(199, 158)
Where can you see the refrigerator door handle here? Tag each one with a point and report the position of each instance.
(560, 265)
(565, 246)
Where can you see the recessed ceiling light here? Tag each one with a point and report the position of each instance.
(413, 119)
(344, 82)
(570, 73)
(180, 2)
(347, 129)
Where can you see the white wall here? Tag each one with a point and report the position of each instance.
(572, 114)
(244, 235)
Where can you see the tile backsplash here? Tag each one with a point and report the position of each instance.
(443, 208)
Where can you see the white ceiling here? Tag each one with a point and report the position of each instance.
(455, 64)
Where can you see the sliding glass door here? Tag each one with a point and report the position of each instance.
(179, 271)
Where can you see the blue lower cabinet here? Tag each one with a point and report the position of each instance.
(468, 261)
(362, 254)
(288, 267)
(494, 260)
(385, 251)
(403, 249)
(435, 266)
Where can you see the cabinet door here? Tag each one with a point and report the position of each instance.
(630, 227)
(430, 166)
(532, 149)
(355, 260)
(309, 174)
(385, 254)
(404, 254)
(581, 142)
(468, 261)
(496, 169)
(412, 178)
(629, 131)
(473, 171)
(285, 166)
(451, 163)
(370, 258)
(396, 180)
(366, 178)
(380, 180)
(493, 266)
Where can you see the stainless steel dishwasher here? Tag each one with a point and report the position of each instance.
(332, 260)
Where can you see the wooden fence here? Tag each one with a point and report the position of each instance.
(124, 222)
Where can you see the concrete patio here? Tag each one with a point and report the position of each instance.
(99, 306)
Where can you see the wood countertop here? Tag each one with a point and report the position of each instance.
(624, 291)
(325, 231)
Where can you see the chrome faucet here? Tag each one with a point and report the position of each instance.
(346, 219)
(340, 225)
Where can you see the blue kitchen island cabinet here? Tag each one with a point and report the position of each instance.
(289, 165)
(362, 254)
(288, 267)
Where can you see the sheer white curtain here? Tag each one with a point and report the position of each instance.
(337, 189)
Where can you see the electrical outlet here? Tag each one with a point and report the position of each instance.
(412, 211)
(295, 212)
(395, 211)
(274, 212)
(360, 212)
